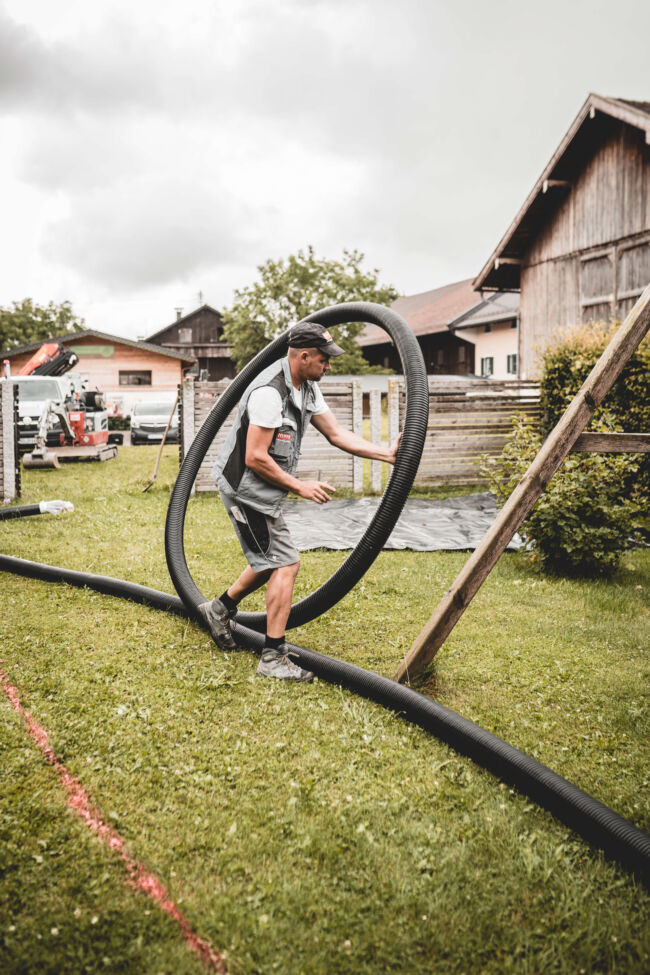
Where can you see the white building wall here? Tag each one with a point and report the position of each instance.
(498, 343)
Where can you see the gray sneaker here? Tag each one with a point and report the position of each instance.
(218, 619)
(276, 663)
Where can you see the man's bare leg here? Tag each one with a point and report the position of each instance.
(279, 594)
(248, 582)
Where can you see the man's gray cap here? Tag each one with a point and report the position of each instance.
(311, 335)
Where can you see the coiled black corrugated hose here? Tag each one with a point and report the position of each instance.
(595, 822)
(397, 490)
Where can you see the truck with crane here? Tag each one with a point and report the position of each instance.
(59, 418)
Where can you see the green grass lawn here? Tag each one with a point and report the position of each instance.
(299, 828)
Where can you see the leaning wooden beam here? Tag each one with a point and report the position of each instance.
(522, 500)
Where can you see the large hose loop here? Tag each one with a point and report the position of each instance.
(390, 508)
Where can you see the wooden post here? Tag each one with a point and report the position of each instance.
(375, 436)
(8, 437)
(394, 388)
(187, 419)
(522, 500)
(357, 427)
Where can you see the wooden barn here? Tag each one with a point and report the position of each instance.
(199, 335)
(579, 248)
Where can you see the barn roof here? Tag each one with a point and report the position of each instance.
(427, 312)
(183, 320)
(71, 337)
(501, 271)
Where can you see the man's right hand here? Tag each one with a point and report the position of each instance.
(315, 491)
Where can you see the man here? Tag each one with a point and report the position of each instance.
(254, 471)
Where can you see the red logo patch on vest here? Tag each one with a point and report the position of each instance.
(285, 436)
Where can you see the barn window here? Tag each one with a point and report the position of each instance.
(140, 377)
(462, 353)
(597, 311)
(597, 286)
(512, 364)
(633, 273)
(185, 335)
(487, 366)
(440, 357)
(487, 328)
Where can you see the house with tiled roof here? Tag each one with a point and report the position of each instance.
(429, 315)
(127, 371)
(199, 334)
(460, 332)
(492, 326)
(578, 250)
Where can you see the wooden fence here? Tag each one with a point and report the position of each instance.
(318, 458)
(9, 461)
(465, 421)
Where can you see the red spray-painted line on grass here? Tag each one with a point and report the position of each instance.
(138, 876)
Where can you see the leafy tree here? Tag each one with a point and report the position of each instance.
(27, 322)
(291, 289)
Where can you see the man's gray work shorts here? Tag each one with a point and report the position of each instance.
(265, 541)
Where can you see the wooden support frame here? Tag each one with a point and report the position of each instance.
(554, 450)
(613, 443)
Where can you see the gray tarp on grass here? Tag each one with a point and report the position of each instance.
(425, 525)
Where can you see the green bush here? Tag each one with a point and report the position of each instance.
(567, 364)
(582, 522)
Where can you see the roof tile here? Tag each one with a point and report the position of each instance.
(427, 312)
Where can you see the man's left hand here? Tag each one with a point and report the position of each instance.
(392, 450)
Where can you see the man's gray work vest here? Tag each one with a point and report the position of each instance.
(230, 471)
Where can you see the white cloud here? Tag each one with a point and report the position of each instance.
(148, 231)
(158, 149)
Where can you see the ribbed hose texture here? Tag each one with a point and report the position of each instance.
(105, 584)
(595, 822)
(397, 490)
(22, 511)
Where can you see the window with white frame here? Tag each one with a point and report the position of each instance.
(511, 368)
(487, 365)
(139, 377)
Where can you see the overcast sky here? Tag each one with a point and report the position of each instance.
(155, 151)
